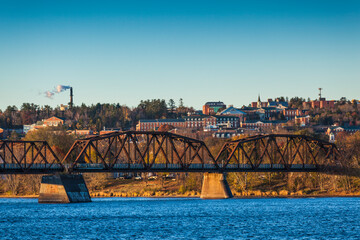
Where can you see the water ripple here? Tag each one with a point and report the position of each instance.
(163, 218)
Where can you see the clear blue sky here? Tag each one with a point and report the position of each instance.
(126, 51)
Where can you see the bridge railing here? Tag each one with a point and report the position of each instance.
(37, 166)
(83, 167)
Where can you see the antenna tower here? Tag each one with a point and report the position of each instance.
(320, 93)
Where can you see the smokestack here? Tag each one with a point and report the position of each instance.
(71, 97)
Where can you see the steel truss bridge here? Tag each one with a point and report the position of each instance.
(137, 151)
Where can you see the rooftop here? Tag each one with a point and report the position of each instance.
(264, 121)
(162, 120)
(215, 103)
(231, 110)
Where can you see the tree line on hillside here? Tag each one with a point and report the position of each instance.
(95, 117)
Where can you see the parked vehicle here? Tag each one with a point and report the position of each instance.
(152, 178)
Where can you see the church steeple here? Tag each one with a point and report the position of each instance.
(259, 102)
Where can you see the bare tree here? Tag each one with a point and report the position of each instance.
(33, 183)
(12, 183)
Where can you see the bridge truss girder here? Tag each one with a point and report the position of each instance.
(138, 148)
(150, 151)
(28, 157)
(279, 149)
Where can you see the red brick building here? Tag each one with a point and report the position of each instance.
(201, 121)
(86, 132)
(210, 121)
(260, 124)
(195, 121)
(291, 113)
(259, 104)
(154, 124)
(211, 108)
(302, 120)
(322, 103)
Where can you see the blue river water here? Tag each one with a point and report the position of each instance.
(185, 218)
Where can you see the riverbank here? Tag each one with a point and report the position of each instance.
(101, 186)
(197, 195)
(250, 194)
(170, 188)
(19, 196)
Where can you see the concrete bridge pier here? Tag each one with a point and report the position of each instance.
(215, 186)
(63, 188)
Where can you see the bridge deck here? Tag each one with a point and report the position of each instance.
(84, 167)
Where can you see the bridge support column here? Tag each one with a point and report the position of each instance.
(63, 188)
(215, 186)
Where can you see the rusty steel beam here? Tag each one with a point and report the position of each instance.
(28, 157)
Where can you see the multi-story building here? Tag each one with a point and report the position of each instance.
(50, 122)
(227, 134)
(211, 108)
(265, 110)
(259, 104)
(195, 121)
(202, 121)
(210, 121)
(270, 103)
(321, 103)
(227, 121)
(260, 124)
(337, 129)
(84, 132)
(265, 113)
(231, 111)
(53, 121)
(154, 124)
(291, 113)
(251, 113)
(302, 120)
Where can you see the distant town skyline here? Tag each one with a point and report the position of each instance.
(124, 52)
(52, 98)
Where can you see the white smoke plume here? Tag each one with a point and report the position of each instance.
(61, 88)
(57, 89)
(49, 94)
